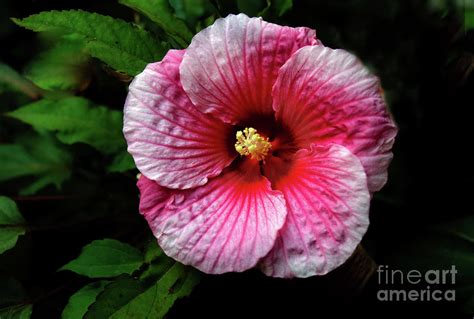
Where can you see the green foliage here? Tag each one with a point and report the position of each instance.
(121, 45)
(62, 67)
(160, 12)
(153, 253)
(16, 312)
(265, 8)
(35, 155)
(469, 18)
(192, 11)
(279, 7)
(12, 224)
(76, 119)
(65, 66)
(79, 302)
(149, 296)
(251, 8)
(177, 282)
(115, 295)
(12, 80)
(106, 258)
(121, 163)
(12, 291)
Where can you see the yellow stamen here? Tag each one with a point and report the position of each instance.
(249, 142)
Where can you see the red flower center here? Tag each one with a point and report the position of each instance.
(274, 160)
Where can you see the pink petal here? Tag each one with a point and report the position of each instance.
(230, 67)
(226, 225)
(328, 96)
(169, 139)
(328, 204)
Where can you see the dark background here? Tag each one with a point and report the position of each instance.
(424, 57)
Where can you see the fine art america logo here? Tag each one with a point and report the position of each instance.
(415, 285)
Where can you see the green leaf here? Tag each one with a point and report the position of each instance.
(160, 12)
(153, 251)
(121, 45)
(10, 79)
(280, 7)
(114, 296)
(158, 261)
(153, 295)
(38, 156)
(469, 18)
(121, 163)
(106, 258)
(252, 8)
(198, 14)
(12, 224)
(439, 248)
(76, 119)
(156, 301)
(275, 8)
(12, 291)
(191, 10)
(62, 67)
(79, 303)
(16, 312)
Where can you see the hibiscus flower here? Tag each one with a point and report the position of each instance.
(258, 146)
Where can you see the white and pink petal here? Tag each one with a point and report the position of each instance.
(226, 225)
(170, 140)
(230, 67)
(328, 96)
(327, 198)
